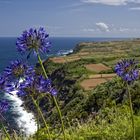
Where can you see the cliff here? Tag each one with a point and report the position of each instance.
(86, 82)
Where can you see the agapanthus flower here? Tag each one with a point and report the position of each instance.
(34, 41)
(5, 86)
(37, 84)
(127, 69)
(10, 87)
(4, 105)
(2, 83)
(45, 86)
(17, 70)
(27, 86)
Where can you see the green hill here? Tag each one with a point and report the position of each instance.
(102, 111)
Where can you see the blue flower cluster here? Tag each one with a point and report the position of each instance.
(36, 84)
(2, 83)
(4, 106)
(17, 70)
(21, 77)
(127, 69)
(33, 41)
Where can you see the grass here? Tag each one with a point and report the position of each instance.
(109, 124)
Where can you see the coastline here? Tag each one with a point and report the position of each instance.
(25, 119)
(72, 79)
(63, 73)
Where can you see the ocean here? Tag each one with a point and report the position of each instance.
(9, 53)
(17, 117)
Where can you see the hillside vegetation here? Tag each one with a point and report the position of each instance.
(101, 112)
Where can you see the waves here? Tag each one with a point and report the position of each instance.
(25, 121)
(64, 52)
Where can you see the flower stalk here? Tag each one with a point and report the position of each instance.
(37, 136)
(54, 99)
(131, 112)
(40, 112)
(128, 70)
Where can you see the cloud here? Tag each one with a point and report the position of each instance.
(108, 29)
(124, 29)
(134, 8)
(111, 2)
(102, 27)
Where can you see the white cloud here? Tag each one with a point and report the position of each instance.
(134, 8)
(102, 27)
(124, 29)
(112, 2)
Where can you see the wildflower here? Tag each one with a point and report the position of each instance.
(45, 86)
(5, 86)
(4, 105)
(33, 41)
(27, 86)
(36, 84)
(2, 83)
(53, 91)
(14, 74)
(17, 70)
(127, 70)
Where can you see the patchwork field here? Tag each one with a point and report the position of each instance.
(88, 87)
(64, 59)
(95, 80)
(92, 63)
(97, 67)
(102, 76)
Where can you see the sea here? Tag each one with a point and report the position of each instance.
(17, 117)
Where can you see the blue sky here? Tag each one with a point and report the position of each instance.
(78, 18)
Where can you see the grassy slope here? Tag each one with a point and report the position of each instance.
(77, 104)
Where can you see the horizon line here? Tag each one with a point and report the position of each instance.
(73, 37)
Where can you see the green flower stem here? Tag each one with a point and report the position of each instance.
(40, 61)
(54, 99)
(131, 111)
(37, 136)
(5, 131)
(60, 115)
(40, 112)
